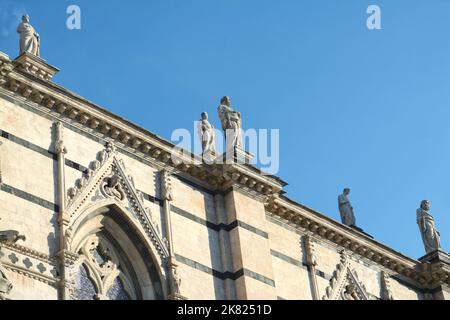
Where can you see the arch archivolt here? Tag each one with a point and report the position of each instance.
(344, 284)
(107, 215)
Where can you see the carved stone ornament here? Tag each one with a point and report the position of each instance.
(386, 293)
(111, 187)
(7, 237)
(344, 284)
(59, 144)
(106, 178)
(98, 256)
(166, 186)
(5, 285)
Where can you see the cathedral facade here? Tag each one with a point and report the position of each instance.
(98, 208)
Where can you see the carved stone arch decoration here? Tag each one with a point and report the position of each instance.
(112, 249)
(344, 284)
(106, 179)
(103, 211)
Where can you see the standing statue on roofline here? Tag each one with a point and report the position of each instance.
(29, 39)
(231, 123)
(430, 236)
(207, 137)
(346, 209)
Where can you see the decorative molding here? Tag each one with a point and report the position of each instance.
(344, 237)
(129, 136)
(386, 293)
(31, 274)
(30, 253)
(98, 176)
(344, 284)
(35, 66)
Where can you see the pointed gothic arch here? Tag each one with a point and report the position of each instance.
(117, 242)
(344, 284)
(128, 252)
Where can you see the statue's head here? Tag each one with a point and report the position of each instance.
(25, 18)
(425, 205)
(204, 116)
(226, 101)
(346, 191)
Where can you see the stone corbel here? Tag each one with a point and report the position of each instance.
(312, 263)
(5, 68)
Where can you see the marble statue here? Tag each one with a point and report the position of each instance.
(231, 123)
(29, 38)
(176, 280)
(346, 209)
(430, 236)
(207, 136)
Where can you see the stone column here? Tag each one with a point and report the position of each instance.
(251, 258)
(63, 220)
(172, 265)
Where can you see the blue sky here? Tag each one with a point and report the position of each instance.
(365, 109)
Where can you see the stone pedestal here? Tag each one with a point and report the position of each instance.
(35, 66)
(235, 156)
(437, 263)
(361, 230)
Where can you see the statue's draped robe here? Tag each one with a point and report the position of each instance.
(231, 125)
(346, 211)
(29, 39)
(207, 137)
(430, 236)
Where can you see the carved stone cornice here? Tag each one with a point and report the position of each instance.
(5, 68)
(63, 104)
(352, 240)
(30, 252)
(35, 66)
(31, 274)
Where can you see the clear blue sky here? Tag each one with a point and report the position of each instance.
(365, 109)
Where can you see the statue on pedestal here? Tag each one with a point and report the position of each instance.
(231, 123)
(29, 38)
(207, 137)
(346, 209)
(427, 227)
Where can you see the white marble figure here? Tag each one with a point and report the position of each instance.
(427, 227)
(346, 209)
(29, 38)
(231, 123)
(207, 136)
